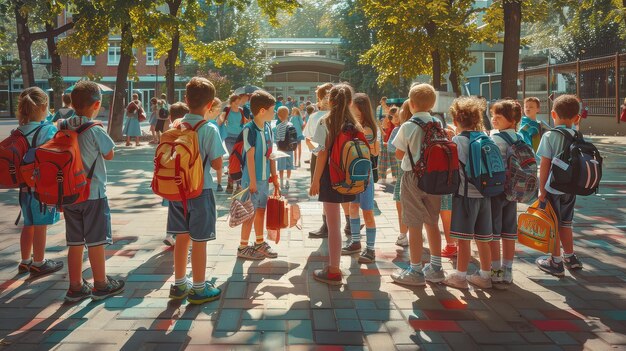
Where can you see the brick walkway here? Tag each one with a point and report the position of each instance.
(275, 304)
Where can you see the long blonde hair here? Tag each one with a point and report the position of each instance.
(30, 100)
(339, 115)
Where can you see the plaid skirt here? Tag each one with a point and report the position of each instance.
(396, 187)
(384, 162)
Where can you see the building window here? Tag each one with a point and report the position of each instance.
(151, 59)
(489, 62)
(89, 60)
(114, 54)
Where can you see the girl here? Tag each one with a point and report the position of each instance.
(162, 118)
(339, 117)
(280, 133)
(386, 158)
(471, 213)
(298, 122)
(66, 111)
(132, 127)
(505, 116)
(211, 117)
(154, 112)
(32, 110)
(403, 116)
(232, 117)
(361, 109)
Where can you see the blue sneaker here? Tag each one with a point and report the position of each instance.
(180, 292)
(208, 294)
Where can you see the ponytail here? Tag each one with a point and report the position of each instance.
(340, 97)
(29, 102)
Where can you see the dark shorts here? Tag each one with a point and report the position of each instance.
(563, 206)
(259, 199)
(328, 194)
(471, 218)
(88, 223)
(200, 219)
(418, 207)
(503, 218)
(160, 125)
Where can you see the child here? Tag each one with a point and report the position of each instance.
(505, 115)
(298, 122)
(154, 112)
(32, 109)
(132, 127)
(162, 118)
(403, 116)
(211, 117)
(258, 169)
(361, 109)
(66, 111)
(198, 224)
(339, 117)
(530, 129)
(231, 117)
(89, 223)
(386, 157)
(419, 209)
(284, 163)
(471, 214)
(565, 113)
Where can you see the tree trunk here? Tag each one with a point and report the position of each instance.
(510, 60)
(119, 103)
(24, 43)
(454, 80)
(56, 81)
(172, 55)
(431, 29)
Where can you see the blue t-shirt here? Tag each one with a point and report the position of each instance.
(233, 123)
(551, 146)
(297, 122)
(94, 143)
(528, 128)
(261, 141)
(46, 132)
(211, 146)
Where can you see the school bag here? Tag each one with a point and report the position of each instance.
(163, 113)
(12, 151)
(537, 228)
(58, 175)
(521, 172)
(578, 169)
(243, 118)
(484, 167)
(236, 159)
(290, 142)
(178, 168)
(349, 162)
(437, 169)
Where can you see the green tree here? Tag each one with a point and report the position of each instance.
(313, 19)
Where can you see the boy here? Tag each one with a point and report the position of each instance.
(198, 224)
(257, 170)
(419, 209)
(565, 113)
(89, 223)
(284, 163)
(529, 128)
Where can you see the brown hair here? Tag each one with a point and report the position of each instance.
(135, 96)
(363, 104)
(509, 109)
(566, 106)
(339, 116)
(163, 96)
(199, 92)
(310, 109)
(178, 110)
(422, 96)
(393, 110)
(30, 100)
(261, 99)
(85, 94)
(217, 103)
(323, 90)
(233, 98)
(533, 99)
(405, 112)
(296, 111)
(467, 112)
(67, 99)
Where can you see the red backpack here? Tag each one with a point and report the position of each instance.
(12, 151)
(437, 169)
(236, 160)
(59, 175)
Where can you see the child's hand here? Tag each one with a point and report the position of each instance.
(315, 188)
(542, 196)
(276, 183)
(252, 188)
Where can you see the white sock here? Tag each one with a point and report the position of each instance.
(485, 274)
(28, 261)
(461, 274)
(181, 281)
(496, 265)
(198, 286)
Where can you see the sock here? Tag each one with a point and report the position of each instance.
(461, 274)
(287, 182)
(507, 263)
(417, 267)
(198, 286)
(485, 274)
(567, 255)
(180, 282)
(556, 259)
(38, 264)
(496, 265)
(370, 237)
(435, 262)
(259, 238)
(243, 244)
(355, 229)
(28, 261)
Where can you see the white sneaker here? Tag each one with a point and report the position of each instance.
(169, 240)
(455, 280)
(476, 279)
(403, 240)
(433, 276)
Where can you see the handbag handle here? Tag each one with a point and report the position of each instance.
(239, 195)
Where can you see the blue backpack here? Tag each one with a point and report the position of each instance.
(484, 168)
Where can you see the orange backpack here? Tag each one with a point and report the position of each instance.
(178, 171)
(537, 228)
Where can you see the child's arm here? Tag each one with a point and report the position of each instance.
(273, 174)
(220, 119)
(322, 158)
(217, 164)
(544, 172)
(251, 169)
(109, 156)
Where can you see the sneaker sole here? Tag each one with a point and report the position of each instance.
(409, 284)
(345, 253)
(366, 260)
(41, 274)
(199, 302)
(251, 258)
(174, 297)
(167, 243)
(464, 287)
(556, 274)
(102, 297)
(436, 280)
(329, 282)
(76, 299)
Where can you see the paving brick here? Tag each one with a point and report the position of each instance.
(338, 338)
(324, 320)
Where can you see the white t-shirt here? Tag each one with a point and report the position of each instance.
(410, 136)
(313, 122)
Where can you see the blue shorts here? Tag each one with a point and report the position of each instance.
(88, 223)
(471, 219)
(259, 199)
(34, 213)
(366, 198)
(200, 219)
(285, 163)
(563, 206)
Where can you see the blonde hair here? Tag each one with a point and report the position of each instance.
(423, 97)
(282, 109)
(405, 112)
(295, 112)
(467, 112)
(30, 100)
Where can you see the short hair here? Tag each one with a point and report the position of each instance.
(85, 94)
(310, 109)
(423, 96)
(199, 92)
(509, 109)
(261, 99)
(533, 99)
(135, 96)
(281, 109)
(217, 103)
(67, 99)
(163, 96)
(178, 110)
(153, 101)
(566, 106)
(467, 112)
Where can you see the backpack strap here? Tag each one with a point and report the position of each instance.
(86, 126)
(36, 136)
(198, 125)
(506, 137)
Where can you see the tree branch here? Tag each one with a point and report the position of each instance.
(52, 33)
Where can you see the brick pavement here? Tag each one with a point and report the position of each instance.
(275, 304)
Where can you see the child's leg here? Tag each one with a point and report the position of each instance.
(181, 252)
(137, 141)
(434, 244)
(566, 234)
(127, 140)
(39, 243)
(246, 228)
(508, 251)
(333, 220)
(370, 228)
(403, 228)
(259, 225)
(26, 242)
(219, 175)
(198, 262)
(463, 255)
(355, 221)
(416, 243)
(484, 254)
(494, 249)
(288, 174)
(299, 153)
(446, 220)
(281, 174)
(75, 266)
(97, 259)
